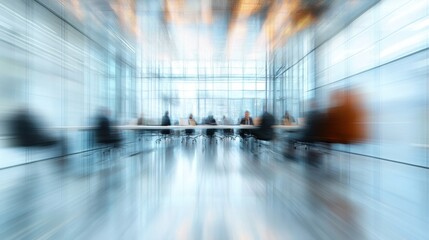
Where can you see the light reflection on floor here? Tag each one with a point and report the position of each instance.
(218, 191)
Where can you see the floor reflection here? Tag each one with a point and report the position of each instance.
(194, 191)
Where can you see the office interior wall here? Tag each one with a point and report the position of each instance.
(198, 87)
(383, 54)
(60, 73)
(293, 75)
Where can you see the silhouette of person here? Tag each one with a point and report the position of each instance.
(210, 121)
(165, 122)
(265, 130)
(104, 132)
(246, 120)
(27, 131)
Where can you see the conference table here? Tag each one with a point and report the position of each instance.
(156, 129)
(142, 129)
(177, 127)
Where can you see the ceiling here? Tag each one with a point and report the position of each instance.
(202, 30)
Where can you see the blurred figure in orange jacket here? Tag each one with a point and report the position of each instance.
(345, 118)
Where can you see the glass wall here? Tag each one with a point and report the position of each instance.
(221, 88)
(60, 73)
(384, 55)
(294, 75)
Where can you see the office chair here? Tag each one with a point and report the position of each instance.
(166, 134)
(190, 136)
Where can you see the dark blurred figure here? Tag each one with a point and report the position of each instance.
(140, 133)
(265, 130)
(165, 122)
(104, 132)
(140, 120)
(27, 131)
(315, 124)
(210, 121)
(246, 120)
(288, 119)
(315, 127)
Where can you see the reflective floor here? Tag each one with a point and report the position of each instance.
(213, 191)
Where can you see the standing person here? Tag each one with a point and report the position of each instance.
(246, 120)
(166, 122)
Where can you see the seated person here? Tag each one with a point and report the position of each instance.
(27, 132)
(288, 119)
(104, 132)
(313, 131)
(210, 121)
(140, 120)
(246, 120)
(226, 121)
(314, 128)
(265, 130)
(191, 122)
(315, 124)
(166, 122)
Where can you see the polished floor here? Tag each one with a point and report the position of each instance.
(213, 191)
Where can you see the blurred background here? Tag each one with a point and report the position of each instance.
(64, 59)
(61, 60)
